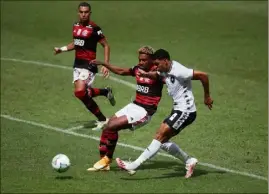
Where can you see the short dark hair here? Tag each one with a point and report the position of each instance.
(161, 54)
(84, 4)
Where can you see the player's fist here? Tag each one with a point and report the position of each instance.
(208, 102)
(96, 62)
(141, 73)
(57, 50)
(105, 72)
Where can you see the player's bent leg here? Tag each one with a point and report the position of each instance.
(177, 121)
(82, 94)
(174, 150)
(118, 123)
(80, 89)
(107, 92)
(108, 142)
(163, 134)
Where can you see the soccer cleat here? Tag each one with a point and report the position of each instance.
(101, 165)
(92, 169)
(190, 165)
(124, 165)
(110, 96)
(100, 125)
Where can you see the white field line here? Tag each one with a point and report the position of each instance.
(74, 128)
(131, 85)
(125, 145)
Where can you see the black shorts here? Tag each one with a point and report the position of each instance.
(85, 64)
(178, 120)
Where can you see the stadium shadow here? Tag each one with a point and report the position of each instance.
(177, 166)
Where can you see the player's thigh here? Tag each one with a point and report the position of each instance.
(136, 115)
(79, 85)
(178, 120)
(118, 123)
(83, 75)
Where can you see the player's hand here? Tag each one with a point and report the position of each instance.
(96, 62)
(57, 50)
(105, 72)
(141, 73)
(208, 102)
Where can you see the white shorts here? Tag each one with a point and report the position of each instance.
(83, 74)
(136, 115)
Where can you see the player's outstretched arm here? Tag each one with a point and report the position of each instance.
(115, 69)
(69, 47)
(151, 74)
(203, 77)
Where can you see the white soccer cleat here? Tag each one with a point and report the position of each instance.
(100, 125)
(124, 165)
(190, 165)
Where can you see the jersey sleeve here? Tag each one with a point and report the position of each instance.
(133, 70)
(99, 34)
(183, 72)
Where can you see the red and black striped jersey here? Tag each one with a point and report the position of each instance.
(85, 40)
(148, 91)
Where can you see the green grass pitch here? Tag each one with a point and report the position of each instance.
(227, 39)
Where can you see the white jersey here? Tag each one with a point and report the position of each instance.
(178, 81)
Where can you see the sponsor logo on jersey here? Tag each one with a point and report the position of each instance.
(85, 32)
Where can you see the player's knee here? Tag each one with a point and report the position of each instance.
(111, 125)
(80, 94)
(159, 136)
(163, 134)
(114, 124)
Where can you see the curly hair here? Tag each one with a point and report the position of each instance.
(148, 50)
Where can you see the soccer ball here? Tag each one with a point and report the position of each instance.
(60, 163)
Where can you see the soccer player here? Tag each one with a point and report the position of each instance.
(86, 35)
(178, 80)
(136, 114)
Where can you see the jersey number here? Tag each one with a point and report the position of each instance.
(79, 42)
(143, 89)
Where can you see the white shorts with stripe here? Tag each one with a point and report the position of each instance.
(137, 116)
(83, 74)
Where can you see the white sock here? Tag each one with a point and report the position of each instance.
(148, 153)
(174, 150)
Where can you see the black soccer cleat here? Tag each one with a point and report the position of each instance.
(110, 96)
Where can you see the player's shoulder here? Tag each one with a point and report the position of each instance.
(177, 65)
(76, 23)
(94, 25)
(134, 68)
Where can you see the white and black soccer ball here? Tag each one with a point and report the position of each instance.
(60, 163)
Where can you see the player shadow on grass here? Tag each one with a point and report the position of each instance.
(85, 124)
(63, 177)
(178, 167)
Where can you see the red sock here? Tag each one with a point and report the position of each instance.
(112, 139)
(103, 144)
(97, 92)
(93, 107)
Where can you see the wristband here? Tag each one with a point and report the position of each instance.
(63, 49)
